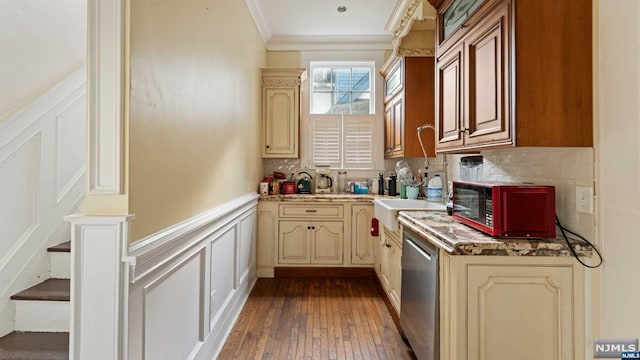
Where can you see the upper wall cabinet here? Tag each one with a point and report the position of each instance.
(409, 103)
(281, 112)
(513, 73)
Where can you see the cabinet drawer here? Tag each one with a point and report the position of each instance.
(309, 211)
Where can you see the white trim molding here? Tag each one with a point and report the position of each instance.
(258, 18)
(329, 43)
(105, 99)
(202, 270)
(175, 294)
(42, 162)
(99, 290)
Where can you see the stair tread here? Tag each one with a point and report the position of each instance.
(50, 289)
(35, 346)
(64, 247)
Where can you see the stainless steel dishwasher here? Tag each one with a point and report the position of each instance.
(419, 316)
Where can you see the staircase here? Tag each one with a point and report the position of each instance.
(42, 314)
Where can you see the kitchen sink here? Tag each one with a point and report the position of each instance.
(386, 210)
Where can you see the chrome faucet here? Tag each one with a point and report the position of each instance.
(445, 178)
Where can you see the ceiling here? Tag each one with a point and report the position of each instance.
(317, 25)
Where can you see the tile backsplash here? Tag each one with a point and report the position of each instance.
(564, 168)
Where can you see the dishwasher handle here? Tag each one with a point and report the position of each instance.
(419, 249)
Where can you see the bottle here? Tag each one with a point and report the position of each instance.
(392, 185)
(434, 188)
(381, 184)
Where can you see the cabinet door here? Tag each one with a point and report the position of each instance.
(395, 277)
(361, 239)
(267, 235)
(293, 242)
(327, 242)
(486, 80)
(385, 263)
(280, 116)
(388, 130)
(449, 99)
(398, 126)
(510, 305)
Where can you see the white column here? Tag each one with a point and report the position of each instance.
(99, 287)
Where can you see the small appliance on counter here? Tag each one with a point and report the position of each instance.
(471, 168)
(289, 187)
(506, 210)
(324, 183)
(304, 183)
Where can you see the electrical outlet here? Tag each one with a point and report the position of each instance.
(584, 199)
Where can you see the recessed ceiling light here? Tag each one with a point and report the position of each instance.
(342, 9)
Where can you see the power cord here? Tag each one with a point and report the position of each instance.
(584, 240)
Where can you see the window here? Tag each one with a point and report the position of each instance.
(342, 119)
(341, 88)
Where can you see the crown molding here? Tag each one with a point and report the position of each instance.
(403, 16)
(412, 52)
(258, 19)
(311, 43)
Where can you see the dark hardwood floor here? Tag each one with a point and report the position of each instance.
(316, 318)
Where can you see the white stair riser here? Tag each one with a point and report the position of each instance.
(60, 265)
(42, 315)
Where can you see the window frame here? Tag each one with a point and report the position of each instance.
(378, 57)
(345, 64)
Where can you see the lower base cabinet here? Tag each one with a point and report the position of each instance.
(322, 234)
(304, 242)
(511, 307)
(390, 273)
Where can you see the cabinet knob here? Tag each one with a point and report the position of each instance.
(267, 146)
(387, 245)
(308, 227)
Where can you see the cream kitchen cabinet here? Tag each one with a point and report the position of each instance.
(362, 243)
(391, 266)
(314, 234)
(310, 242)
(511, 307)
(281, 112)
(267, 238)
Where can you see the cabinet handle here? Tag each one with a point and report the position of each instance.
(310, 210)
(387, 245)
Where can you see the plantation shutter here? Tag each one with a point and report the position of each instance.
(358, 142)
(342, 141)
(326, 140)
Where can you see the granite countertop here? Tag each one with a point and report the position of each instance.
(459, 239)
(324, 197)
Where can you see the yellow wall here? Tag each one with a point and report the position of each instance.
(283, 59)
(195, 109)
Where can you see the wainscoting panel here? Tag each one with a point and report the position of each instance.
(173, 302)
(223, 274)
(189, 282)
(42, 172)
